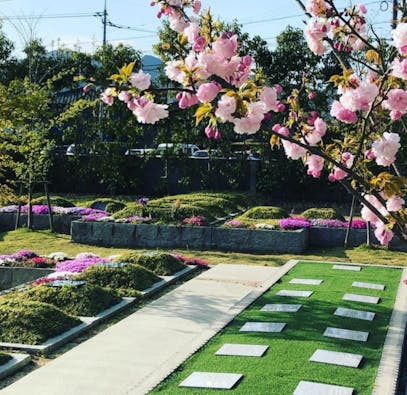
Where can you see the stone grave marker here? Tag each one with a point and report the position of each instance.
(306, 281)
(211, 380)
(358, 314)
(359, 284)
(281, 307)
(337, 358)
(347, 267)
(243, 350)
(298, 294)
(311, 388)
(346, 334)
(263, 327)
(361, 298)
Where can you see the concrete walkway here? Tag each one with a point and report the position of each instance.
(134, 355)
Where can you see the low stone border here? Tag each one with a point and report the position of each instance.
(61, 223)
(194, 237)
(335, 237)
(17, 362)
(387, 375)
(11, 277)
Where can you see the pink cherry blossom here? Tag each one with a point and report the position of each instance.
(385, 148)
(199, 44)
(269, 98)
(251, 123)
(140, 80)
(225, 46)
(124, 96)
(226, 107)
(399, 36)
(399, 68)
(337, 173)
(186, 99)
(366, 213)
(149, 112)
(315, 165)
(292, 150)
(361, 97)
(177, 21)
(394, 203)
(316, 7)
(396, 100)
(196, 6)
(210, 132)
(192, 32)
(107, 96)
(315, 32)
(362, 8)
(312, 95)
(383, 233)
(207, 92)
(342, 114)
(173, 70)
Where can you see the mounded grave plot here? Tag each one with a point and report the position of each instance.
(286, 362)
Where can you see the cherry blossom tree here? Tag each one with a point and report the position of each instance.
(368, 107)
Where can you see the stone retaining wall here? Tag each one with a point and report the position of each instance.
(335, 237)
(12, 276)
(62, 223)
(199, 237)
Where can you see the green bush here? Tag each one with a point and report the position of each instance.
(322, 213)
(161, 264)
(265, 212)
(55, 201)
(4, 358)
(130, 210)
(85, 300)
(133, 277)
(28, 322)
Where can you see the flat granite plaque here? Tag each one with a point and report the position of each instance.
(347, 334)
(298, 294)
(281, 307)
(358, 284)
(242, 350)
(306, 281)
(337, 358)
(347, 267)
(263, 327)
(211, 380)
(311, 388)
(361, 298)
(358, 314)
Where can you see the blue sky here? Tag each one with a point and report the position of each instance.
(80, 28)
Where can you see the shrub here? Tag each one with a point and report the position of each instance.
(159, 263)
(85, 300)
(29, 322)
(4, 358)
(113, 207)
(133, 277)
(55, 201)
(265, 212)
(322, 213)
(132, 209)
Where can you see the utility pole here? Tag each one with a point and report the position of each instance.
(105, 24)
(395, 12)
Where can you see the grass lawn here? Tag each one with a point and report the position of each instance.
(45, 242)
(286, 361)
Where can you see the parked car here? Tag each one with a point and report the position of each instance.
(139, 151)
(200, 154)
(187, 149)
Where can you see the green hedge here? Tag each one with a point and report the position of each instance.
(161, 264)
(85, 300)
(265, 212)
(24, 321)
(130, 277)
(322, 213)
(130, 210)
(110, 205)
(55, 201)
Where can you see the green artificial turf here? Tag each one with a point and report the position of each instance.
(286, 363)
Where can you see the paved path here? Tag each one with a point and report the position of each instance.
(134, 355)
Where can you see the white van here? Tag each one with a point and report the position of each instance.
(187, 149)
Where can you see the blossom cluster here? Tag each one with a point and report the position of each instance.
(197, 220)
(79, 264)
(43, 209)
(294, 223)
(26, 258)
(234, 223)
(191, 260)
